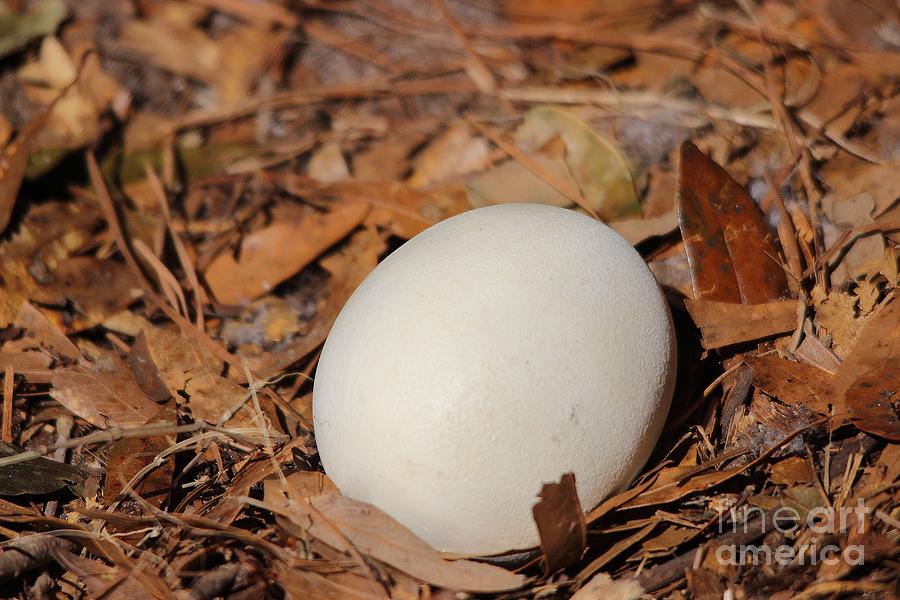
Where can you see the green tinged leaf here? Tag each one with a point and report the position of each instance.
(589, 162)
(16, 30)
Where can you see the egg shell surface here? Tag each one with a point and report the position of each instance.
(490, 354)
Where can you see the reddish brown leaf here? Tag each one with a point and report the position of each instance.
(866, 381)
(725, 323)
(129, 456)
(792, 471)
(874, 400)
(14, 162)
(730, 251)
(560, 522)
(792, 382)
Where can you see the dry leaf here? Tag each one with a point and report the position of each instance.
(73, 109)
(300, 584)
(337, 520)
(34, 367)
(792, 382)
(792, 471)
(453, 153)
(98, 288)
(50, 233)
(560, 523)
(184, 366)
(511, 182)
(867, 379)
(129, 456)
(730, 251)
(38, 476)
(272, 254)
(638, 230)
(837, 314)
(43, 333)
(596, 165)
(725, 323)
(348, 266)
(604, 587)
(669, 539)
(327, 164)
(106, 395)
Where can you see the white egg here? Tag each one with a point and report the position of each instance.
(489, 355)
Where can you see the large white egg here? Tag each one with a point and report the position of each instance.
(489, 355)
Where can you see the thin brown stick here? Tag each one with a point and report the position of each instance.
(8, 389)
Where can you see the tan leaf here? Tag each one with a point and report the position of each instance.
(184, 366)
(604, 587)
(452, 154)
(105, 395)
(725, 323)
(272, 254)
(338, 519)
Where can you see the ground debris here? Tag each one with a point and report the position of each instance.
(256, 159)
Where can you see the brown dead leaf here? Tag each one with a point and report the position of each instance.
(113, 582)
(184, 366)
(272, 254)
(74, 106)
(43, 333)
(327, 164)
(300, 584)
(14, 162)
(33, 366)
(615, 550)
(386, 159)
(50, 233)
(337, 520)
(730, 251)
(873, 400)
(867, 379)
(792, 382)
(669, 539)
(453, 153)
(726, 323)
(837, 314)
(560, 523)
(178, 48)
(348, 266)
(98, 288)
(130, 455)
(249, 473)
(636, 231)
(792, 471)
(105, 395)
(303, 484)
(604, 587)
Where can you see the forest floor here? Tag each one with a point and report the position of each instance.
(190, 190)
